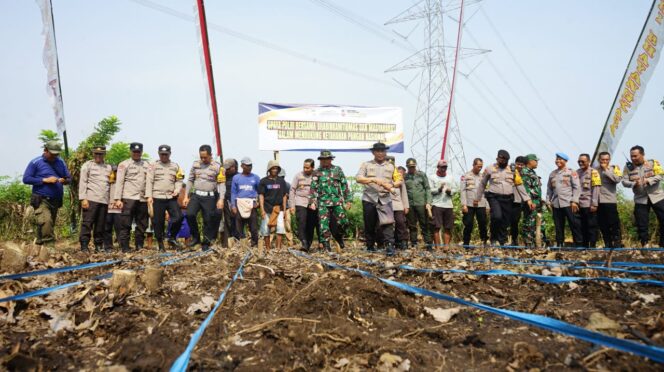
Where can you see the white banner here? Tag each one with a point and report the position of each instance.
(316, 127)
(638, 73)
(51, 63)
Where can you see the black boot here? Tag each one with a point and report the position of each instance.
(389, 249)
(205, 245)
(371, 248)
(84, 247)
(326, 246)
(403, 246)
(99, 248)
(125, 247)
(174, 244)
(138, 246)
(305, 246)
(160, 244)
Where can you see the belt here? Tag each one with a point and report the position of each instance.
(204, 193)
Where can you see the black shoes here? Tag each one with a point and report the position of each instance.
(174, 244)
(161, 246)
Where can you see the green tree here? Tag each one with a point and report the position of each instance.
(101, 136)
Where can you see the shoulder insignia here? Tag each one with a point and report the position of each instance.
(179, 175)
(596, 180)
(657, 168)
(617, 171)
(221, 177)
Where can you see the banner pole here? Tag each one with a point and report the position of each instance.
(210, 77)
(454, 73)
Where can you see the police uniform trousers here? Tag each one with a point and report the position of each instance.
(401, 228)
(93, 221)
(474, 213)
(160, 207)
(307, 223)
(418, 215)
(211, 217)
(589, 228)
(501, 212)
(133, 211)
(609, 224)
(642, 217)
(560, 215)
(515, 219)
(371, 223)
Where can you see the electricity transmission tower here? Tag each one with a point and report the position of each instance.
(434, 88)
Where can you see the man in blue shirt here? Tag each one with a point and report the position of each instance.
(244, 192)
(47, 174)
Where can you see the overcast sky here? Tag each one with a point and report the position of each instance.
(122, 58)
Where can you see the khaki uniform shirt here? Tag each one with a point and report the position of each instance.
(95, 182)
(400, 198)
(501, 181)
(650, 173)
(373, 192)
(300, 189)
(563, 188)
(609, 179)
(130, 180)
(207, 177)
(590, 187)
(163, 180)
(469, 183)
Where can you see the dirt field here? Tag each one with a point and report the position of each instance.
(290, 313)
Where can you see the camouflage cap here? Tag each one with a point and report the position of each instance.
(53, 147)
(411, 162)
(325, 154)
(532, 157)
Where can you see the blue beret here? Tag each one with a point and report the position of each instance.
(562, 155)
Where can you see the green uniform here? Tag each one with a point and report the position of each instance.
(533, 186)
(329, 191)
(419, 195)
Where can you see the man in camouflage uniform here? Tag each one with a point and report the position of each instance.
(591, 184)
(329, 192)
(206, 188)
(419, 199)
(93, 192)
(162, 187)
(533, 186)
(645, 177)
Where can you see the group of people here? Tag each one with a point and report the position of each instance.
(399, 204)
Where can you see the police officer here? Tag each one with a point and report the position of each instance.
(206, 188)
(162, 187)
(469, 184)
(563, 191)
(419, 199)
(329, 194)
(378, 176)
(93, 192)
(503, 182)
(47, 174)
(307, 219)
(644, 177)
(590, 183)
(130, 197)
(607, 211)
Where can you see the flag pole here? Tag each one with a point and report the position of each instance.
(454, 74)
(210, 78)
(57, 66)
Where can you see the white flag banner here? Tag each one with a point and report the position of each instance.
(638, 73)
(51, 64)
